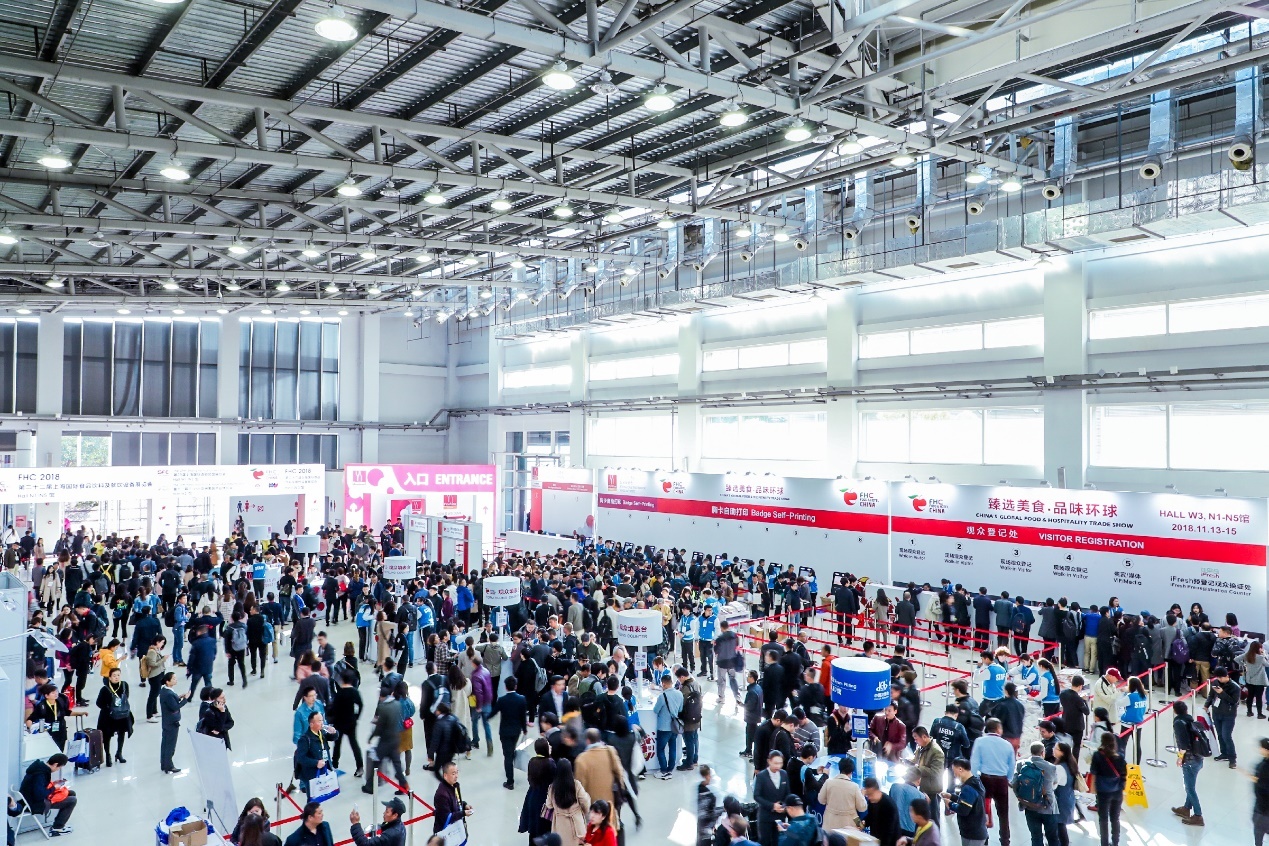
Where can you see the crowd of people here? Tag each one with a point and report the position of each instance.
(172, 607)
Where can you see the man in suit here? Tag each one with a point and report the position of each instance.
(770, 786)
(513, 725)
(773, 692)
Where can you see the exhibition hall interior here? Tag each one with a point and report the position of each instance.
(778, 422)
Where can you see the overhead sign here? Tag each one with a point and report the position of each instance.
(73, 484)
(1152, 549)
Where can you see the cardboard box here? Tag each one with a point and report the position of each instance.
(189, 833)
(855, 837)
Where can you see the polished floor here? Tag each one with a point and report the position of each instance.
(122, 804)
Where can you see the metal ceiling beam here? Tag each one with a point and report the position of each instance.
(506, 32)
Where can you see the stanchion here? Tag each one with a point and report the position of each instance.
(410, 795)
(1156, 761)
(277, 801)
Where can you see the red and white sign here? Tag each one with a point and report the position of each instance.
(639, 627)
(373, 492)
(828, 524)
(1149, 549)
(562, 501)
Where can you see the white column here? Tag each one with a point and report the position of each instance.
(687, 422)
(579, 361)
(48, 368)
(370, 389)
(843, 357)
(1065, 353)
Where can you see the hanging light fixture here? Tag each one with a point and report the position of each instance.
(630, 270)
(332, 288)
(237, 248)
(500, 204)
(470, 260)
(170, 286)
(563, 210)
(1011, 185)
(780, 236)
(335, 26)
(978, 175)
(305, 312)
(123, 311)
(605, 87)
(613, 216)
(797, 132)
(222, 311)
(417, 292)
(283, 288)
(374, 290)
(409, 313)
(174, 170)
(850, 146)
(7, 238)
(54, 159)
(266, 311)
(368, 254)
(486, 293)
(424, 257)
(517, 263)
(744, 230)
(659, 100)
(734, 116)
(348, 188)
(24, 311)
(178, 311)
(592, 267)
(559, 78)
(665, 222)
(233, 286)
(55, 282)
(903, 158)
(310, 251)
(823, 135)
(343, 312)
(434, 197)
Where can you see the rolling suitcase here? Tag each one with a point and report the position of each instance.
(96, 752)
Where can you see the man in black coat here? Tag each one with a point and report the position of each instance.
(391, 831)
(883, 814)
(36, 786)
(772, 683)
(983, 608)
(511, 727)
(770, 786)
(846, 604)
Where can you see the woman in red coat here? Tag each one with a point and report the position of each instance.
(599, 830)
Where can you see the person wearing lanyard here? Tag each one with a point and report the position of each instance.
(312, 753)
(51, 709)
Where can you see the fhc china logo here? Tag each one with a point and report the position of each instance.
(931, 505)
(451, 501)
(862, 499)
(672, 486)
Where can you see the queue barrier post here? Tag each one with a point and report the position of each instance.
(1156, 761)
(410, 796)
(277, 801)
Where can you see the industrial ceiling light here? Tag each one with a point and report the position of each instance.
(237, 248)
(332, 288)
(470, 260)
(733, 117)
(1011, 185)
(613, 216)
(486, 293)
(174, 170)
(797, 132)
(7, 238)
(310, 251)
(178, 311)
(631, 270)
(417, 292)
(266, 311)
(903, 158)
(744, 230)
(348, 188)
(409, 313)
(170, 286)
(222, 311)
(978, 175)
(343, 312)
(368, 254)
(823, 135)
(374, 290)
(283, 288)
(605, 87)
(425, 257)
(305, 312)
(54, 159)
(233, 286)
(167, 2)
(851, 146)
(517, 263)
(559, 78)
(592, 267)
(665, 222)
(500, 204)
(563, 210)
(780, 235)
(442, 315)
(123, 311)
(335, 26)
(99, 243)
(658, 100)
(55, 282)
(24, 311)
(434, 197)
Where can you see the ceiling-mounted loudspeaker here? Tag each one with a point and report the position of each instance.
(664, 273)
(746, 256)
(1151, 168)
(800, 244)
(851, 233)
(975, 207)
(914, 223)
(1051, 191)
(1241, 153)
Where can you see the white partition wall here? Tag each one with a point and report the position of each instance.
(13, 617)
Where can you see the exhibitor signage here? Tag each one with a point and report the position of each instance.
(1151, 549)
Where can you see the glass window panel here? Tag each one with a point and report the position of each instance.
(127, 368)
(154, 449)
(156, 354)
(728, 359)
(244, 448)
(330, 451)
(183, 448)
(767, 355)
(1021, 332)
(809, 352)
(1127, 322)
(644, 435)
(1129, 436)
(98, 351)
(947, 436)
(721, 436)
(665, 365)
(807, 438)
(1219, 436)
(941, 339)
(8, 344)
(561, 439)
(285, 449)
(330, 396)
(883, 344)
(206, 447)
(263, 336)
(125, 449)
(539, 439)
(72, 352)
(634, 368)
(28, 361)
(286, 371)
(208, 358)
(330, 347)
(261, 449)
(310, 385)
(538, 377)
(1013, 436)
(883, 436)
(1214, 315)
(244, 369)
(184, 369)
(603, 371)
(310, 449)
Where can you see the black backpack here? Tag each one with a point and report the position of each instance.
(692, 705)
(592, 705)
(604, 627)
(1069, 627)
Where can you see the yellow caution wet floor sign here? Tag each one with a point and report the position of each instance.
(1135, 788)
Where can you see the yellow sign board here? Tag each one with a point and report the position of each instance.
(1135, 788)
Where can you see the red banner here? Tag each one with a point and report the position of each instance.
(1181, 548)
(779, 514)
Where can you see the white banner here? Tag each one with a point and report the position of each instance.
(1148, 549)
(563, 501)
(74, 484)
(400, 567)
